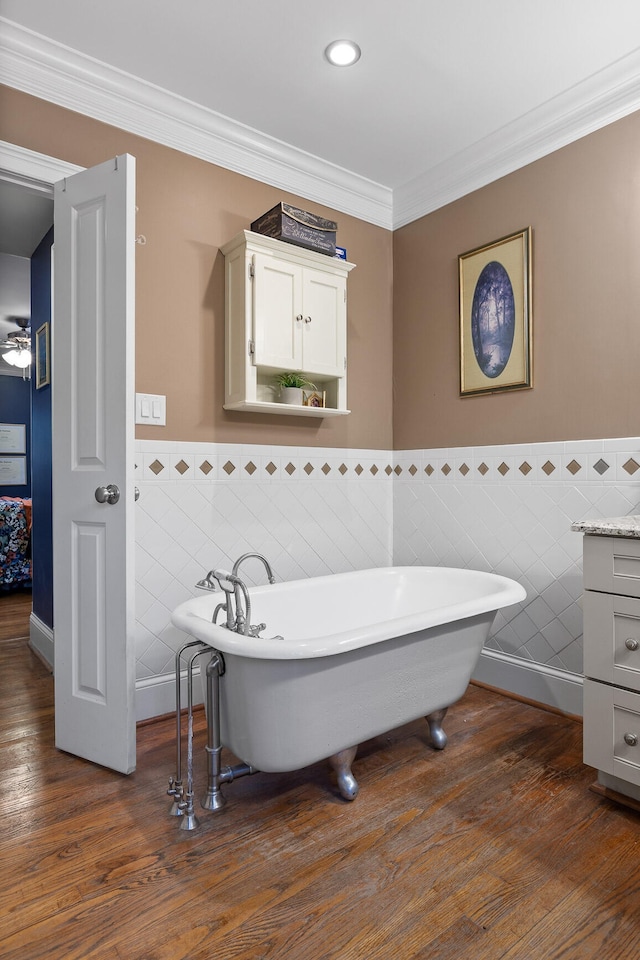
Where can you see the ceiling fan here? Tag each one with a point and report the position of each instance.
(16, 349)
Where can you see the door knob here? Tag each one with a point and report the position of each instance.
(109, 494)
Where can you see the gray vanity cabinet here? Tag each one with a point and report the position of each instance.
(611, 704)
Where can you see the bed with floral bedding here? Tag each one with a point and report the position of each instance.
(15, 543)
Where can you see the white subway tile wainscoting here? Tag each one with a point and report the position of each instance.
(313, 511)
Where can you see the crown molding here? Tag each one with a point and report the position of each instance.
(608, 95)
(51, 71)
(31, 169)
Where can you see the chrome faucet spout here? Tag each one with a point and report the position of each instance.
(254, 556)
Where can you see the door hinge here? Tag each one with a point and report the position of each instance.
(345, 295)
(252, 348)
(345, 363)
(252, 271)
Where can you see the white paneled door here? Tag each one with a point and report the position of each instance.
(93, 489)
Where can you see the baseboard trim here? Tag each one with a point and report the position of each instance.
(156, 696)
(41, 640)
(527, 700)
(530, 681)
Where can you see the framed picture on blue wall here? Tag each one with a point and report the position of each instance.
(495, 316)
(13, 438)
(42, 356)
(13, 471)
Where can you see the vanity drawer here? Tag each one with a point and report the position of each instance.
(611, 731)
(612, 639)
(612, 564)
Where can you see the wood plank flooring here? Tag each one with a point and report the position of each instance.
(15, 607)
(493, 848)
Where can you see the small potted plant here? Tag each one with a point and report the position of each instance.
(291, 387)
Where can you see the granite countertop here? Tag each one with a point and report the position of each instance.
(610, 526)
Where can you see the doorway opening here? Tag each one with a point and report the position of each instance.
(26, 217)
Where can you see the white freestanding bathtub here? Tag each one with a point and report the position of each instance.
(346, 657)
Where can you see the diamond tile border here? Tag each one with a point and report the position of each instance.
(582, 461)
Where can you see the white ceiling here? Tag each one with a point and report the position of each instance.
(446, 96)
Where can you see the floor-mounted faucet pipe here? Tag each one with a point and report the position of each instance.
(190, 821)
(175, 784)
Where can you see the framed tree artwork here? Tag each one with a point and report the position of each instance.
(495, 316)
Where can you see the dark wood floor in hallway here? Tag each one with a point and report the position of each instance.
(494, 848)
(15, 608)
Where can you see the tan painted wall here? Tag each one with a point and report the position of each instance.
(583, 203)
(187, 209)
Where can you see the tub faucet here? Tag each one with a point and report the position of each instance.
(255, 556)
(237, 605)
(236, 592)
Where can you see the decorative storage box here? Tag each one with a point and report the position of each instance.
(284, 222)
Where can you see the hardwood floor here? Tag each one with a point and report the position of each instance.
(494, 848)
(15, 608)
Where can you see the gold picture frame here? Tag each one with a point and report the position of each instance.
(43, 364)
(313, 398)
(496, 316)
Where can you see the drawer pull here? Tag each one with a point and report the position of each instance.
(631, 740)
(631, 644)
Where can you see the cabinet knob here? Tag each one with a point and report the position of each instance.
(631, 740)
(299, 317)
(307, 319)
(631, 643)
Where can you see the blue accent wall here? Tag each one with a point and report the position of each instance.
(42, 539)
(15, 407)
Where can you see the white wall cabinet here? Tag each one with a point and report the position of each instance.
(285, 310)
(611, 705)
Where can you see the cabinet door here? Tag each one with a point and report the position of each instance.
(277, 302)
(611, 733)
(325, 322)
(612, 639)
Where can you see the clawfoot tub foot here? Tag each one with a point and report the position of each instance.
(438, 736)
(341, 763)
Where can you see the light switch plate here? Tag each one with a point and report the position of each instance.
(151, 409)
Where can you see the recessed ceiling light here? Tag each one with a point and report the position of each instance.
(342, 53)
